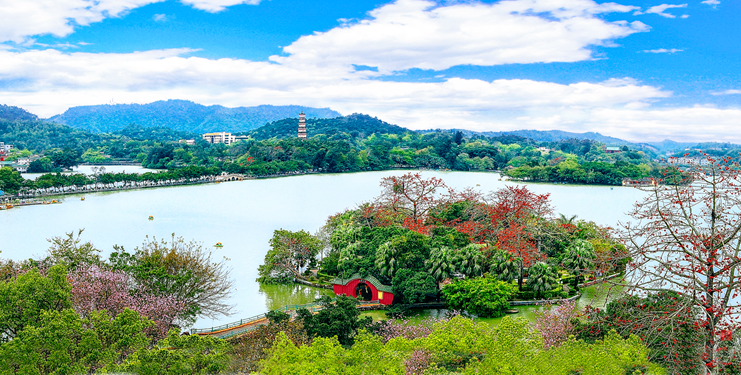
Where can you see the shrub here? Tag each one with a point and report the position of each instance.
(485, 296)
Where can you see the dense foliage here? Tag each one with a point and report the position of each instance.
(338, 318)
(460, 345)
(356, 125)
(11, 181)
(486, 297)
(43, 334)
(12, 113)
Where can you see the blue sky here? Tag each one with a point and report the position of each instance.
(640, 70)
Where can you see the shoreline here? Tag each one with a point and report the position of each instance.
(124, 186)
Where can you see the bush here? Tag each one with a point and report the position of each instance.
(413, 287)
(485, 296)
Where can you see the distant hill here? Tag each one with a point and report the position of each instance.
(669, 145)
(357, 125)
(181, 115)
(559, 135)
(42, 135)
(11, 113)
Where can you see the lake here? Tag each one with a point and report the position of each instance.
(243, 215)
(88, 170)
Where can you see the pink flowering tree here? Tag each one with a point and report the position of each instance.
(555, 324)
(95, 288)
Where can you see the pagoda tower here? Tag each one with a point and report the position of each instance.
(302, 126)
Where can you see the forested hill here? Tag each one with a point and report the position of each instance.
(559, 135)
(181, 115)
(41, 135)
(357, 125)
(11, 113)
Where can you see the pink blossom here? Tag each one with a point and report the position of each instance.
(555, 324)
(95, 288)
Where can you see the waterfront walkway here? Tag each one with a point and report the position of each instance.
(245, 325)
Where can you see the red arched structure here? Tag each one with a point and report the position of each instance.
(357, 287)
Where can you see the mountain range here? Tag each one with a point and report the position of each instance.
(266, 121)
(181, 115)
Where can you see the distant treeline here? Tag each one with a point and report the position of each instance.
(344, 144)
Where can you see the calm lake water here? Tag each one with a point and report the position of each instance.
(88, 169)
(243, 215)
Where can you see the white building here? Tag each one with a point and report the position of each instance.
(222, 137)
(4, 149)
(688, 161)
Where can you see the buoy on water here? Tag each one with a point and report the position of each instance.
(82, 198)
(151, 217)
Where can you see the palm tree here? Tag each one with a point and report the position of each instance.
(542, 278)
(504, 265)
(562, 219)
(441, 264)
(469, 260)
(386, 260)
(579, 257)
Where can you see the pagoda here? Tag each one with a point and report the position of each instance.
(302, 126)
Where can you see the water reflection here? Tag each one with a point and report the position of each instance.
(279, 295)
(596, 296)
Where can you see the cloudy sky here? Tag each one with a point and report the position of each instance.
(639, 70)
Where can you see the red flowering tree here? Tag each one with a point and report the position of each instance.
(412, 197)
(515, 213)
(687, 238)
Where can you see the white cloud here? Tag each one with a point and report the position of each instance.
(662, 50)
(419, 34)
(160, 18)
(318, 71)
(21, 19)
(728, 92)
(214, 6)
(681, 124)
(52, 81)
(659, 9)
(713, 3)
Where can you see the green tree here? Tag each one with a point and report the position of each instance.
(65, 159)
(579, 257)
(72, 252)
(24, 298)
(542, 278)
(41, 165)
(249, 349)
(486, 296)
(442, 263)
(504, 265)
(65, 343)
(470, 260)
(408, 251)
(339, 318)
(182, 270)
(289, 254)
(10, 180)
(179, 355)
(413, 287)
